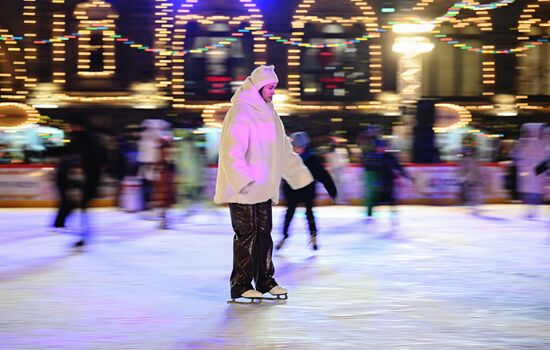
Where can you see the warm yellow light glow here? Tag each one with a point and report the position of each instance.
(413, 28)
(412, 45)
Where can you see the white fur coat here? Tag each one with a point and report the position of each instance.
(255, 152)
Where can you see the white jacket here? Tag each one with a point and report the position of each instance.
(255, 152)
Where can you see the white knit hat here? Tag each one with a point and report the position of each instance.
(263, 75)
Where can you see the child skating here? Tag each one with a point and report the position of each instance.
(300, 142)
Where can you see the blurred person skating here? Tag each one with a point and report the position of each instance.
(117, 164)
(301, 143)
(380, 168)
(131, 196)
(366, 141)
(190, 168)
(337, 161)
(164, 185)
(85, 151)
(470, 175)
(531, 149)
(254, 155)
(67, 180)
(149, 157)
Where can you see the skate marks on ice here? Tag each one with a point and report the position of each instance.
(458, 282)
(239, 326)
(26, 267)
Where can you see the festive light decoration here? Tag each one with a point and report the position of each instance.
(488, 74)
(470, 5)
(58, 48)
(16, 82)
(16, 115)
(96, 24)
(212, 114)
(171, 18)
(464, 117)
(30, 53)
(483, 22)
(416, 26)
(302, 16)
(222, 43)
(533, 21)
(484, 50)
(527, 20)
(173, 22)
(7, 79)
(410, 66)
(412, 45)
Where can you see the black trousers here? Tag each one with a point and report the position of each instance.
(65, 207)
(291, 209)
(252, 248)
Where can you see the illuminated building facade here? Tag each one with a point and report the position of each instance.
(121, 61)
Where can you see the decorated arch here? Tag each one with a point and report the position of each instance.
(305, 14)
(96, 46)
(174, 19)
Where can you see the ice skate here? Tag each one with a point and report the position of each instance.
(281, 243)
(61, 230)
(313, 241)
(251, 294)
(279, 293)
(164, 225)
(79, 246)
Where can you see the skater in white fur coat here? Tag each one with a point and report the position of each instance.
(255, 154)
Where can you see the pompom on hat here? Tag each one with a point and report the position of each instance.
(263, 75)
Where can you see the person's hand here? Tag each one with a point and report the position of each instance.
(246, 189)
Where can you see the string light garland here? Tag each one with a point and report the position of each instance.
(464, 5)
(126, 41)
(524, 23)
(449, 15)
(468, 5)
(456, 43)
(222, 43)
(346, 42)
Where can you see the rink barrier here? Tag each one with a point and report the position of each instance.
(435, 184)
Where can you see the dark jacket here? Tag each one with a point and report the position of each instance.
(319, 173)
(384, 165)
(85, 151)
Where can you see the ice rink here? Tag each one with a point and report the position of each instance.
(441, 279)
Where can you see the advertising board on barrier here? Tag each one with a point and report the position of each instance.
(443, 182)
(34, 185)
(27, 183)
(436, 184)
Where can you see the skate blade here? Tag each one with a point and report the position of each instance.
(280, 297)
(243, 300)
